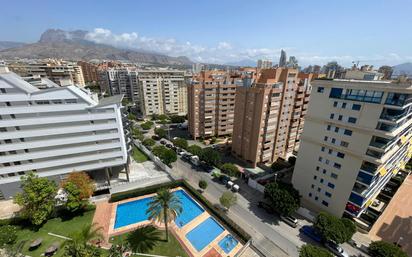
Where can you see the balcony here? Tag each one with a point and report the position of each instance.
(393, 115)
(374, 154)
(380, 142)
(369, 167)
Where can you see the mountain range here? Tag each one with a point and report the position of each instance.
(403, 69)
(73, 45)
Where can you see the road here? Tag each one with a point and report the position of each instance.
(272, 237)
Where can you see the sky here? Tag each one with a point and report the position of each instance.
(370, 31)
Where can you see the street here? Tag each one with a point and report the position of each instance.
(270, 236)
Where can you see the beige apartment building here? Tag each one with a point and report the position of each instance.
(60, 72)
(211, 101)
(89, 71)
(357, 136)
(269, 115)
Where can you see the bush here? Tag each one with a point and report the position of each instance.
(131, 116)
(162, 117)
(210, 156)
(177, 119)
(216, 212)
(230, 169)
(8, 235)
(166, 155)
(385, 249)
(228, 199)
(137, 134)
(148, 142)
(203, 184)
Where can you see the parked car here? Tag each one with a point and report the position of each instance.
(312, 233)
(266, 207)
(336, 249)
(169, 146)
(195, 160)
(156, 137)
(206, 167)
(163, 142)
(291, 221)
(186, 156)
(224, 179)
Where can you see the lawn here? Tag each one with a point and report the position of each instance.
(138, 156)
(57, 226)
(170, 248)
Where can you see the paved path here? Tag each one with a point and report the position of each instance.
(8, 208)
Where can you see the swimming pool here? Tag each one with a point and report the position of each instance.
(135, 211)
(228, 243)
(204, 233)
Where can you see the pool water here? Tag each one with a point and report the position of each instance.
(204, 233)
(135, 211)
(228, 243)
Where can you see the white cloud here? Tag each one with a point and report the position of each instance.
(225, 52)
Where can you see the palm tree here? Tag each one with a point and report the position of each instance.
(78, 245)
(143, 239)
(164, 207)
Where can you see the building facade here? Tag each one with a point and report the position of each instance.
(211, 103)
(264, 64)
(89, 71)
(57, 130)
(357, 135)
(269, 116)
(60, 72)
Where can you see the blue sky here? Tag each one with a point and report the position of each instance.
(317, 31)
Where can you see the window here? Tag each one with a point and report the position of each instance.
(316, 198)
(312, 186)
(336, 93)
(317, 168)
(352, 120)
(325, 138)
(340, 117)
(321, 180)
(315, 177)
(334, 175)
(320, 158)
(356, 107)
(325, 203)
(330, 151)
(319, 189)
(321, 89)
(332, 116)
(335, 104)
(328, 194)
(324, 171)
(336, 129)
(348, 132)
(344, 105)
(337, 165)
(333, 140)
(344, 144)
(310, 194)
(340, 155)
(331, 185)
(328, 128)
(322, 149)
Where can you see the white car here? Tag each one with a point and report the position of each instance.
(336, 249)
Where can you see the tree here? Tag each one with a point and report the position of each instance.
(160, 132)
(203, 184)
(230, 169)
(177, 119)
(143, 239)
(8, 235)
(385, 249)
(181, 142)
(137, 134)
(228, 199)
(74, 201)
(166, 155)
(338, 230)
(131, 116)
(146, 125)
(79, 247)
(213, 140)
(283, 197)
(164, 207)
(210, 156)
(309, 250)
(195, 150)
(148, 142)
(37, 198)
(83, 182)
(162, 117)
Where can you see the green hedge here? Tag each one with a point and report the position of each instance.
(215, 212)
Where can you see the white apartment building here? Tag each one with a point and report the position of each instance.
(357, 135)
(162, 92)
(57, 130)
(123, 81)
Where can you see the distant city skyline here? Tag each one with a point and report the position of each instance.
(374, 32)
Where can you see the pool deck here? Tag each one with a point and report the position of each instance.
(108, 221)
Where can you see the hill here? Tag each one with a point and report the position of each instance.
(72, 45)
